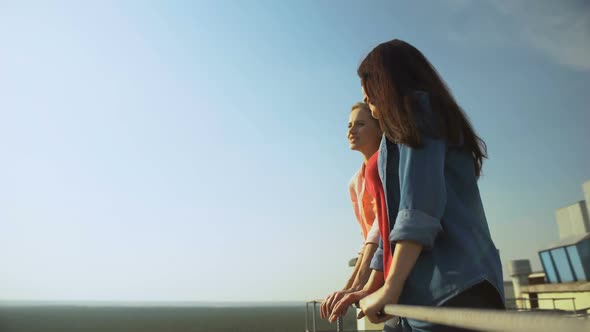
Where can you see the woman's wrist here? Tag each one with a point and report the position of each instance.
(392, 291)
(355, 287)
(393, 285)
(371, 287)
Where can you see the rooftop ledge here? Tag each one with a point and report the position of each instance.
(578, 286)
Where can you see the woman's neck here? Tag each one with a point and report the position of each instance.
(368, 153)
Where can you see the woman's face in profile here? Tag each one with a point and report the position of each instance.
(368, 101)
(363, 130)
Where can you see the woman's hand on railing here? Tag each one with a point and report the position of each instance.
(372, 305)
(347, 300)
(330, 301)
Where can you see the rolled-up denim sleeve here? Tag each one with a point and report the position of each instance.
(422, 192)
(377, 260)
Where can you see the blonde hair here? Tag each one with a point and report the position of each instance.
(360, 105)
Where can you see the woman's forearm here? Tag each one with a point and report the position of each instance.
(352, 278)
(364, 271)
(375, 281)
(405, 255)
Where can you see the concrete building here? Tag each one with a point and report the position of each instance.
(519, 270)
(565, 281)
(573, 220)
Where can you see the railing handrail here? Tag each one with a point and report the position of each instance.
(540, 299)
(489, 320)
(483, 320)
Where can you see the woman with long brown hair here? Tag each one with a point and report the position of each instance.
(435, 247)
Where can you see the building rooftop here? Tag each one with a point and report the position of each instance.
(578, 286)
(568, 241)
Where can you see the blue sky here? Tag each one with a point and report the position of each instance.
(196, 151)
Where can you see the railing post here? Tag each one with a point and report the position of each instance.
(307, 317)
(313, 318)
(574, 304)
(339, 324)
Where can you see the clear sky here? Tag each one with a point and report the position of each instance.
(193, 151)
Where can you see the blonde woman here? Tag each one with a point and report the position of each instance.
(363, 136)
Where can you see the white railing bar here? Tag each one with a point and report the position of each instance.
(490, 320)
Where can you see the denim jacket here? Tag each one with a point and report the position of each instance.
(433, 199)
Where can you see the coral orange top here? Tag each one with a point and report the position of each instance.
(364, 207)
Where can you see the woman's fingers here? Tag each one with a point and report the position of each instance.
(342, 306)
(372, 306)
(360, 315)
(377, 317)
(335, 298)
(328, 304)
(323, 308)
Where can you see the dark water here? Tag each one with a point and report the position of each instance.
(60, 318)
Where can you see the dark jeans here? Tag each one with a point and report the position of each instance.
(393, 325)
(480, 296)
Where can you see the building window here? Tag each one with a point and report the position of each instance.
(572, 252)
(548, 267)
(562, 265)
(584, 253)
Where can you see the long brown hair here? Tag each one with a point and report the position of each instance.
(391, 74)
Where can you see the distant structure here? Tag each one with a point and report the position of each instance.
(564, 283)
(573, 220)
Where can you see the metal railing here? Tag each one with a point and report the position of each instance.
(315, 326)
(490, 320)
(475, 319)
(526, 303)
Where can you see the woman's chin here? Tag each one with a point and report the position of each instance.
(354, 146)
